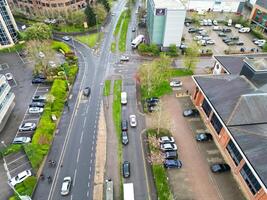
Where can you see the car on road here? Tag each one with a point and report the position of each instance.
(171, 155)
(176, 83)
(35, 110)
(168, 147)
(87, 91)
(170, 163)
(133, 29)
(66, 38)
(190, 113)
(124, 137)
(126, 169)
(166, 139)
(37, 80)
(21, 140)
(27, 126)
(220, 167)
(20, 177)
(202, 137)
(124, 58)
(112, 14)
(124, 125)
(133, 121)
(37, 104)
(66, 185)
(123, 98)
(9, 76)
(38, 98)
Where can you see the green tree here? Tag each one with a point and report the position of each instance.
(38, 31)
(90, 15)
(191, 57)
(76, 18)
(105, 3)
(172, 50)
(101, 12)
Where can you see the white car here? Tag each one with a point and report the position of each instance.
(21, 140)
(168, 147)
(217, 28)
(133, 121)
(66, 38)
(9, 76)
(20, 177)
(238, 26)
(41, 54)
(202, 42)
(198, 37)
(66, 185)
(28, 126)
(244, 30)
(166, 139)
(124, 58)
(215, 22)
(52, 63)
(257, 42)
(210, 42)
(35, 110)
(176, 83)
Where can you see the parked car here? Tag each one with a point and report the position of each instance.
(202, 137)
(168, 147)
(35, 110)
(215, 22)
(124, 125)
(183, 46)
(221, 34)
(38, 80)
(20, 177)
(171, 155)
(124, 137)
(176, 83)
(238, 26)
(123, 98)
(152, 108)
(239, 43)
(257, 42)
(220, 167)
(166, 139)
(9, 76)
(209, 22)
(152, 100)
(41, 54)
(234, 37)
(21, 140)
(226, 30)
(244, 30)
(66, 38)
(202, 42)
(231, 43)
(124, 58)
(66, 186)
(226, 40)
(169, 163)
(39, 98)
(37, 104)
(210, 42)
(192, 30)
(126, 169)
(40, 76)
(198, 37)
(27, 126)
(190, 113)
(217, 28)
(87, 91)
(133, 121)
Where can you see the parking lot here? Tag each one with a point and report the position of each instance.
(219, 46)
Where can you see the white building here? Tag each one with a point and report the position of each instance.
(165, 22)
(6, 101)
(216, 5)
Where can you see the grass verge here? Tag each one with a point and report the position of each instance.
(118, 25)
(123, 33)
(116, 113)
(107, 88)
(113, 47)
(90, 40)
(180, 72)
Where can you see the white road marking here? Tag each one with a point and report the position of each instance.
(92, 148)
(81, 139)
(74, 178)
(88, 184)
(93, 142)
(87, 194)
(16, 159)
(84, 121)
(89, 177)
(90, 169)
(19, 166)
(78, 155)
(91, 161)
(70, 197)
(91, 154)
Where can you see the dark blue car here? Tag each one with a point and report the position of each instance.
(168, 163)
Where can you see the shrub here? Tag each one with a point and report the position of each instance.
(172, 51)
(264, 48)
(149, 50)
(13, 148)
(256, 33)
(56, 45)
(25, 188)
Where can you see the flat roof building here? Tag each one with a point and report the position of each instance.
(165, 22)
(8, 27)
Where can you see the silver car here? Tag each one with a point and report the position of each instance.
(21, 140)
(66, 185)
(28, 126)
(35, 110)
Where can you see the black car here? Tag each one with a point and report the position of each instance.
(231, 43)
(191, 113)
(124, 138)
(239, 43)
(234, 38)
(124, 125)
(192, 30)
(226, 30)
(37, 80)
(171, 155)
(87, 91)
(126, 169)
(40, 76)
(220, 167)
(172, 163)
(37, 104)
(202, 137)
(152, 99)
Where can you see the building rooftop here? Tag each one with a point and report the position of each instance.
(262, 3)
(259, 64)
(169, 4)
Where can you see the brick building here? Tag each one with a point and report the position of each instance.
(259, 13)
(233, 105)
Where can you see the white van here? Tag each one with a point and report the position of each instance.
(123, 98)
(230, 22)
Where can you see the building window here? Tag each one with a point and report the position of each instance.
(250, 179)
(234, 153)
(206, 107)
(216, 124)
(197, 90)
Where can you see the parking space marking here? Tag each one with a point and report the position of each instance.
(26, 163)
(74, 178)
(22, 156)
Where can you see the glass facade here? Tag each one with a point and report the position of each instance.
(250, 179)
(206, 107)
(216, 123)
(234, 153)
(4, 39)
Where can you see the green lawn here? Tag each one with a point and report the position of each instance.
(181, 72)
(113, 47)
(162, 185)
(123, 34)
(68, 28)
(107, 87)
(90, 40)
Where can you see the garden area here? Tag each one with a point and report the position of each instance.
(90, 40)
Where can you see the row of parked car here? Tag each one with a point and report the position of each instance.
(201, 36)
(204, 137)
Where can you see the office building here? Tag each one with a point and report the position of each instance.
(165, 22)
(8, 27)
(6, 101)
(259, 13)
